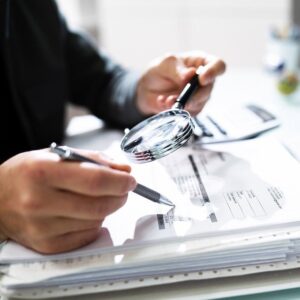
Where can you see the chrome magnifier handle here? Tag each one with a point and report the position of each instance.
(163, 133)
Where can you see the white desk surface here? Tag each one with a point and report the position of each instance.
(236, 86)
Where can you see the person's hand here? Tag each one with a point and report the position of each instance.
(53, 206)
(163, 81)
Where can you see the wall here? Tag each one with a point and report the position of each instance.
(134, 31)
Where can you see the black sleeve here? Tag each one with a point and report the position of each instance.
(99, 84)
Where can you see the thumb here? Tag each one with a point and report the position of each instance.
(187, 73)
(174, 69)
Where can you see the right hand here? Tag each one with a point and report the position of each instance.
(53, 206)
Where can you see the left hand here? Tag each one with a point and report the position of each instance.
(163, 81)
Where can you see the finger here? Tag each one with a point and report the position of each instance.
(66, 242)
(85, 178)
(161, 101)
(194, 58)
(170, 101)
(101, 158)
(51, 227)
(196, 104)
(174, 71)
(104, 159)
(169, 68)
(211, 70)
(76, 206)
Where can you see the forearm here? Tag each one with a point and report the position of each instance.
(120, 107)
(97, 82)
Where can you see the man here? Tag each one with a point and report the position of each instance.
(49, 206)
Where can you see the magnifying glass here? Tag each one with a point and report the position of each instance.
(163, 133)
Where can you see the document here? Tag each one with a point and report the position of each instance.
(218, 190)
(232, 123)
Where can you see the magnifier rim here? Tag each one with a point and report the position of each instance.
(153, 154)
(188, 132)
(149, 155)
(142, 124)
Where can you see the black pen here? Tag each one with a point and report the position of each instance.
(66, 153)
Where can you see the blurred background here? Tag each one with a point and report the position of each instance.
(135, 31)
(257, 39)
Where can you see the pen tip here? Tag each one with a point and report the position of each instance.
(166, 201)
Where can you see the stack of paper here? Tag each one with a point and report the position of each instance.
(237, 212)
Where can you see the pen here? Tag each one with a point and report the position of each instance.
(66, 153)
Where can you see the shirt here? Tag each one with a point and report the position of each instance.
(48, 66)
(12, 136)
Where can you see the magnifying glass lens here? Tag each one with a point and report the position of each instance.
(157, 136)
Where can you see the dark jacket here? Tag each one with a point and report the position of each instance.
(48, 65)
